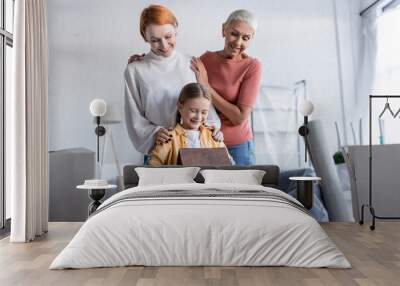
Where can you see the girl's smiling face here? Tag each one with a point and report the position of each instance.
(194, 112)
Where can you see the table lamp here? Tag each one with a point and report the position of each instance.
(306, 108)
(98, 108)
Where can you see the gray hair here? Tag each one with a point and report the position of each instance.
(245, 16)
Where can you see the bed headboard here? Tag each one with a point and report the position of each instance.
(270, 179)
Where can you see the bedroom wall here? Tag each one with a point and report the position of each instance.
(90, 41)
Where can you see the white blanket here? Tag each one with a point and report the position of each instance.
(181, 231)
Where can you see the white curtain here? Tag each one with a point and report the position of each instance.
(367, 65)
(27, 148)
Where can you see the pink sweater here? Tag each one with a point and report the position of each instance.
(237, 81)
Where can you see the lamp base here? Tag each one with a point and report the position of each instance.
(96, 195)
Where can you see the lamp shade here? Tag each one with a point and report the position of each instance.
(306, 107)
(98, 107)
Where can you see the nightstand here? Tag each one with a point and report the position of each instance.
(96, 192)
(305, 190)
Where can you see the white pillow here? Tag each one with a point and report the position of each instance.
(248, 177)
(164, 176)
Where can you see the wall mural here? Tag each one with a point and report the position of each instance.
(235, 102)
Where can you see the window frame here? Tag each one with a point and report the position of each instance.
(382, 81)
(6, 39)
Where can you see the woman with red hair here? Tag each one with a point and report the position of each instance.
(152, 85)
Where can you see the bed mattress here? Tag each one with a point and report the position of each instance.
(201, 225)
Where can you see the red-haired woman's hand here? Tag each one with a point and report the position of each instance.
(217, 133)
(199, 70)
(163, 135)
(135, 58)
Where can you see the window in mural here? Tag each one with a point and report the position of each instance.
(387, 75)
(6, 44)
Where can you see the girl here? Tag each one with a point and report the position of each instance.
(193, 105)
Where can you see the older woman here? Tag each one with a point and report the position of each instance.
(152, 85)
(233, 78)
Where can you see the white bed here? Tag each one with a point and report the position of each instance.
(269, 229)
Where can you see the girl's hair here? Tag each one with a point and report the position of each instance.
(158, 15)
(243, 15)
(191, 91)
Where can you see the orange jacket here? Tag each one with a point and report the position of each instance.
(167, 153)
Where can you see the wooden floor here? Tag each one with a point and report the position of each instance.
(375, 257)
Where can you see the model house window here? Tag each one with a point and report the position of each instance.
(387, 76)
(6, 44)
